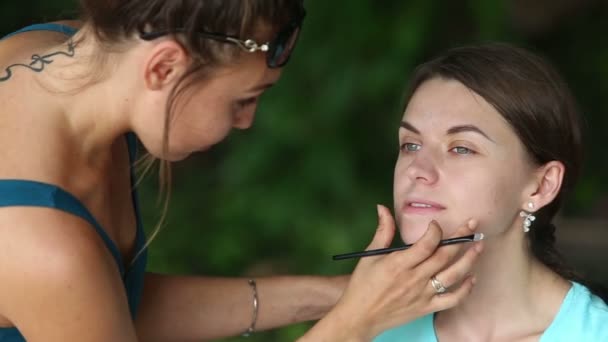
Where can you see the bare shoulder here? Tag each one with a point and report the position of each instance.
(57, 280)
(25, 43)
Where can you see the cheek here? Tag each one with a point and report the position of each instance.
(401, 184)
(494, 203)
(200, 125)
(399, 180)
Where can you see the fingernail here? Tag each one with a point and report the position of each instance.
(472, 224)
(378, 209)
(478, 247)
(473, 280)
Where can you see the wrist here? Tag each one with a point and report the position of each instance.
(337, 325)
(321, 294)
(335, 289)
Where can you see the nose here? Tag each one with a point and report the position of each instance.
(244, 119)
(422, 169)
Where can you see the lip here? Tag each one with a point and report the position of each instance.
(421, 206)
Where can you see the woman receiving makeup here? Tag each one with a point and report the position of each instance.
(492, 132)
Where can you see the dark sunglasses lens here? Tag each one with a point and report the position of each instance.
(283, 46)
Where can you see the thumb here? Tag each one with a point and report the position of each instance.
(385, 231)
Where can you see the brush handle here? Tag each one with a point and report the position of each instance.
(461, 239)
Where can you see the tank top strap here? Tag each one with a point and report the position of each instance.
(27, 193)
(67, 30)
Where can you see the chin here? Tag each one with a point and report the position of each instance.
(411, 230)
(179, 158)
(204, 149)
(176, 156)
(173, 156)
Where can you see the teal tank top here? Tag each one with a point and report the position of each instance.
(15, 192)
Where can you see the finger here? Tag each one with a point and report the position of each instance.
(468, 228)
(446, 254)
(385, 231)
(425, 247)
(459, 270)
(450, 299)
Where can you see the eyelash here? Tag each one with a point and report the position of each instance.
(247, 102)
(469, 151)
(405, 147)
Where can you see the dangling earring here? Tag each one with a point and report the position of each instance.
(528, 217)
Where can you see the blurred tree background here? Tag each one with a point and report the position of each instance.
(302, 184)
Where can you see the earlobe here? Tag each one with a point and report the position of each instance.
(165, 64)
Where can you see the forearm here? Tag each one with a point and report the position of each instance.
(183, 308)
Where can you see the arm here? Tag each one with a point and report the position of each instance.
(217, 307)
(57, 281)
(383, 292)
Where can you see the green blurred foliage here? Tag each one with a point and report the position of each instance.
(302, 184)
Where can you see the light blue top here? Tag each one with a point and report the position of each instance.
(581, 317)
(18, 192)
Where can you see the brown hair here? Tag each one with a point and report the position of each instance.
(532, 97)
(114, 23)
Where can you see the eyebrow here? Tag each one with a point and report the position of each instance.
(468, 128)
(409, 127)
(451, 130)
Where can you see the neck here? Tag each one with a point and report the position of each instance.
(510, 283)
(91, 97)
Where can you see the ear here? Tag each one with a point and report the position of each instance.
(546, 186)
(167, 61)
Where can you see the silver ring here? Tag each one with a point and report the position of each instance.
(438, 286)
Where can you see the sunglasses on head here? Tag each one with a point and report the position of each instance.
(277, 50)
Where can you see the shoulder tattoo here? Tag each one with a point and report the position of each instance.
(38, 62)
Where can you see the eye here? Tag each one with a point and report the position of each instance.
(462, 150)
(247, 102)
(410, 147)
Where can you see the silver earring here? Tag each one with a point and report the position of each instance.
(528, 217)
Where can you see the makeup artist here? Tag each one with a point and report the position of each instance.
(174, 77)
